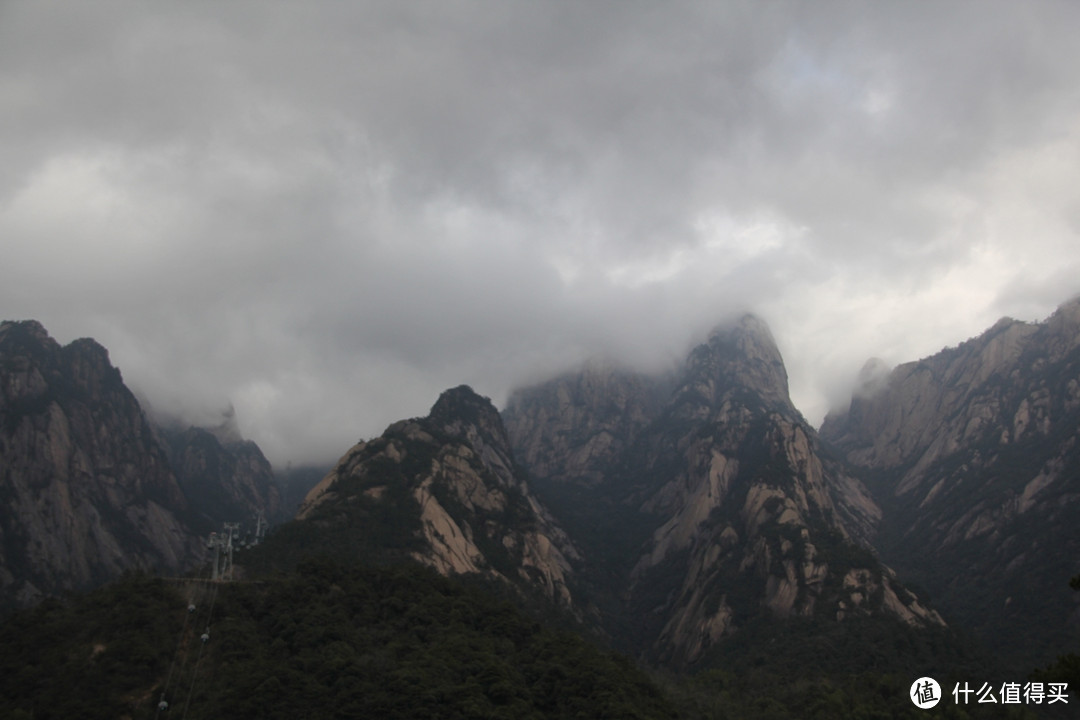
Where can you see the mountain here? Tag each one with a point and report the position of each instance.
(229, 478)
(89, 487)
(972, 455)
(692, 518)
(86, 490)
(443, 490)
(295, 482)
(573, 428)
(709, 510)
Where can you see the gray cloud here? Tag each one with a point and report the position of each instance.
(326, 213)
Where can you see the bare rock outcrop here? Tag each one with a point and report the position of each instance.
(743, 513)
(87, 491)
(574, 427)
(972, 455)
(226, 478)
(459, 499)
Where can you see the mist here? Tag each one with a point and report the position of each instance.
(326, 214)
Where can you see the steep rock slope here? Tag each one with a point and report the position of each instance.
(742, 516)
(972, 454)
(226, 478)
(85, 490)
(445, 490)
(575, 426)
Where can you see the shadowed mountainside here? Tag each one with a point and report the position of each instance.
(972, 454)
(709, 508)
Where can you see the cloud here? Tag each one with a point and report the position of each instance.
(327, 213)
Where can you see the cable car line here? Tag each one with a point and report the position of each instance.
(183, 646)
(223, 550)
(202, 646)
(162, 704)
(181, 651)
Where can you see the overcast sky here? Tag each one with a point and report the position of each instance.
(325, 213)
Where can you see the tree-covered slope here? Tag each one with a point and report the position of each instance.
(331, 641)
(325, 642)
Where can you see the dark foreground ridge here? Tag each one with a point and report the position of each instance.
(323, 642)
(331, 641)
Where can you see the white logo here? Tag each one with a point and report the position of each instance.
(925, 693)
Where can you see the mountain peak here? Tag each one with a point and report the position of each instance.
(457, 399)
(26, 337)
(463, 405)
(447, 491)
(469, 417)
(31, 327)
(748, 325)
(741, 356)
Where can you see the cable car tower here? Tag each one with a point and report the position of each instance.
(222, 547)
(260, 527)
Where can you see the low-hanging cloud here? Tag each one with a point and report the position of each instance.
(326, 213)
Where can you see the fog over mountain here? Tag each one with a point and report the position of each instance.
(324, 213)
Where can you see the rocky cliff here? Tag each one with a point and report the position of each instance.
(733, 510)
(445, 490)
(972, 454)
(86, 490)
(574, 427)
(89, 487)
(226, 478)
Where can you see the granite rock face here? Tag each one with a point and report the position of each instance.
(89, 487)
(735, 512)
(87, 491)
(972, 455)
(451, 484)
(574, 427)
(227, 478)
